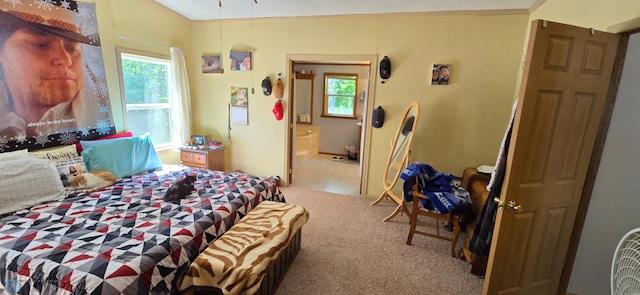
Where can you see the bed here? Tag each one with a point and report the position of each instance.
(124, 239)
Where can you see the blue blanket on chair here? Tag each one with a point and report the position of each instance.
(444, 196)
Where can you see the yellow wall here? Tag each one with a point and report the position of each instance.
(142, 25)
(461, 124)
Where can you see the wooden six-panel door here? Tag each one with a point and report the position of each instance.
(564, 88)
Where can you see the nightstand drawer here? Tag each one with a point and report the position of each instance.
(209, 159)
(200, 159)
(186, 156)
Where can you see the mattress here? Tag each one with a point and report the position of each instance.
(125, 239)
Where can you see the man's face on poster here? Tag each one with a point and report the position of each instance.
(41, 69)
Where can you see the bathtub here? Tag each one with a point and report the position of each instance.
(307, 141)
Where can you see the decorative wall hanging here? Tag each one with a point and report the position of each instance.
(240, 60)
(239, 105)
(81, 108)
(440, 74)
(385, 68)
(378, 117)
(266, 86)
(212, 63)
(278, 88)
(278, 110)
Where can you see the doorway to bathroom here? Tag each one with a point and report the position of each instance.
(327, 152)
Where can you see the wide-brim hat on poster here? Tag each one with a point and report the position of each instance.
(59, 17)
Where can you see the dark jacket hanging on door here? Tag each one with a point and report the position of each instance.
(480, 243)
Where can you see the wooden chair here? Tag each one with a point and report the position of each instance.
(452, 222)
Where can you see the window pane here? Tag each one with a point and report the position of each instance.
(154, 121)
(340, 95)
(340, 105)
(146, 92)
(145, 81)
(341, 86)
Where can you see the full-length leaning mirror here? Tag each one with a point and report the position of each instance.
(398, 157)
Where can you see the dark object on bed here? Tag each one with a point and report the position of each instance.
(181, 189)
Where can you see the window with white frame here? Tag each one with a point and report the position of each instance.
(144, 87)
(340, 95)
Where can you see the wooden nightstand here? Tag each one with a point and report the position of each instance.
(208, 159)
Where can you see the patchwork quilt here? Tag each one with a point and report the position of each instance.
(125, 239)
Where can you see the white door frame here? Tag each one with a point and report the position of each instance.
(369, 59)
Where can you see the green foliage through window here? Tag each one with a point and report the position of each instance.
(340, 95)
(145, 88)
(145, 81)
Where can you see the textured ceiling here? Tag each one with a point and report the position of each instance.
(235, 9)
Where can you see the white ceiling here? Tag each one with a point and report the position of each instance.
(238, 9)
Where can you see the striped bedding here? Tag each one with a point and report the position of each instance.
(238, 261)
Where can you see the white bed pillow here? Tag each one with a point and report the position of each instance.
(28, 181)
(18, 153)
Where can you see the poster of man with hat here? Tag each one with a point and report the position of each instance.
(52, 82)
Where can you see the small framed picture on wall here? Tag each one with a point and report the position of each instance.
(240, 60)
(440, 74)
(212, 63)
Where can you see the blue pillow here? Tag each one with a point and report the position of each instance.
(123, 157)
(89, 143)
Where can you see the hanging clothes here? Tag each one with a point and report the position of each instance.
(480, 243)
(444, 196)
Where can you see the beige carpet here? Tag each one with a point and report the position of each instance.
(348, 249)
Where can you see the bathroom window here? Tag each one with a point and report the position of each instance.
(340, 95)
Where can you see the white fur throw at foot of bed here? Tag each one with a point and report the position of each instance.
(237, 262)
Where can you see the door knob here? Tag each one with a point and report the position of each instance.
(515, 207)
(511, 205)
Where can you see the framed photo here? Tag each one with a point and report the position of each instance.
(440, 74)
(201, 139)
(240, 60)
(212, 64)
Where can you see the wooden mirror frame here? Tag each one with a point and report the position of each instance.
(398, 157)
